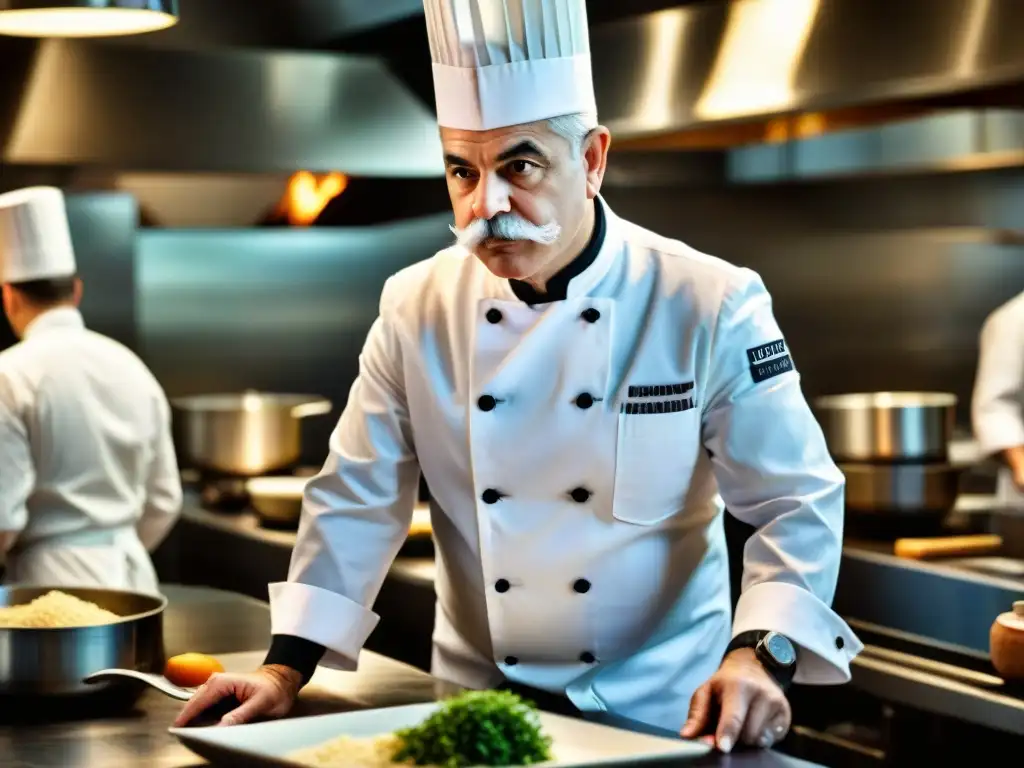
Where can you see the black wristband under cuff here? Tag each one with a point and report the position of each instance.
(296, 652)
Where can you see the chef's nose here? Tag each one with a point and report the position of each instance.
(492, 196)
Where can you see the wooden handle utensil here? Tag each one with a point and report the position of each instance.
(947, 546)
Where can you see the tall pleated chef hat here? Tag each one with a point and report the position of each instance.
(499, 63)
(35, 241)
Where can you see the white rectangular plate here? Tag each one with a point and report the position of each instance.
(574, 742)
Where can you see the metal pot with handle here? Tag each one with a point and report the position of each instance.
(245, 434)
(55, 661)
(893, 448)
(888, 426)
(900, 489)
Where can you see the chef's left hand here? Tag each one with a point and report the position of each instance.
(753, 707)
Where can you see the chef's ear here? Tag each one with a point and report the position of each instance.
(76, 296)
(595, 158)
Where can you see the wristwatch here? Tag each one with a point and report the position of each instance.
(776, 653)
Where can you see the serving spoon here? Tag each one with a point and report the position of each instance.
(159, 682)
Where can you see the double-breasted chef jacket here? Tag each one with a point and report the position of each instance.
(997, 404)
(578, 454)
(88, 475)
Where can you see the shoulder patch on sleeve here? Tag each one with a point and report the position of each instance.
(769, 360)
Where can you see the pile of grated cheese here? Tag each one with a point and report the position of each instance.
(54, 610)
(348, 752)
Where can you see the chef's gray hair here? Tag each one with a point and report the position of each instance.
(574, 128)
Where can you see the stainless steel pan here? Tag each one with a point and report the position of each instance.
(901, 489)
(277, 499)
(36, 662)
(888, 426)
(246, 434)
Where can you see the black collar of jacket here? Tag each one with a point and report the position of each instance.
(558, 286)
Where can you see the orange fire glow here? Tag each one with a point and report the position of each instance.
(307, 195)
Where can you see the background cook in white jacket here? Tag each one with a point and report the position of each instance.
(997, 407)
(89, 476)
(576, 391)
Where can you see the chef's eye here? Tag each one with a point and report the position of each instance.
(460, 173)
(521, 167)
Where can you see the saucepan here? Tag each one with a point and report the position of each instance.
(920, 490)
(888, 426)
(56, 661)
(244, 434)
(277, 499)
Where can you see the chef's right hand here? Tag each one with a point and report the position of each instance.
(270, 691)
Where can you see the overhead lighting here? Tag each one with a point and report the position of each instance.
(85, 18)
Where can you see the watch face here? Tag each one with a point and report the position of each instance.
(781, 649)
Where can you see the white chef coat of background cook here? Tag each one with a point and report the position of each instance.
(997, 405)
(646, 536)
(88, 474)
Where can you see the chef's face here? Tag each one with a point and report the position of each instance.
(537, 186)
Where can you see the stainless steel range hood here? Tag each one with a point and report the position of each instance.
(701, 75)
(720, 74)
(943, 142)
(228, 110)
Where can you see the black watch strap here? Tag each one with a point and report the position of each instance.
(748, 639)
(782, 674)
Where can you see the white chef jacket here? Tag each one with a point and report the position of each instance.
(88, 475)
(580, 549)
(997, 404)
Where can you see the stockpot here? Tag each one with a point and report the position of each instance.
(887, 426)
(244, 434)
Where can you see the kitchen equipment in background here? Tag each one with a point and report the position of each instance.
(893, 448)
(277, 500)
(888, 426)
(947, 546)
(1007, 643)
(887, 489)
(55, 662)
(247, 434)
(223, 493)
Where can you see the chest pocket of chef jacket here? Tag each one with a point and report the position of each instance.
(655, 457)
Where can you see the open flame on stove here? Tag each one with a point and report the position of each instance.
(307, 194)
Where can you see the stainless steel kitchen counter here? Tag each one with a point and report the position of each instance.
(235, 628)
(269, 549)
(904, 679)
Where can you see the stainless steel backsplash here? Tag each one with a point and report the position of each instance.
(277, 309)
(878, 284)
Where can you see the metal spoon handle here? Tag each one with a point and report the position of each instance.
(159, 682)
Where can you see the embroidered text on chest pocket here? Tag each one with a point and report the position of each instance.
(657, 449)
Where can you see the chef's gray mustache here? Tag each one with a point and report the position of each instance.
(506, 226)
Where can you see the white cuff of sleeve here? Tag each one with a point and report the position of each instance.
(334, 621)
(826, 645)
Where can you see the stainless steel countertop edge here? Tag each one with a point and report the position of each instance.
(870, 672)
